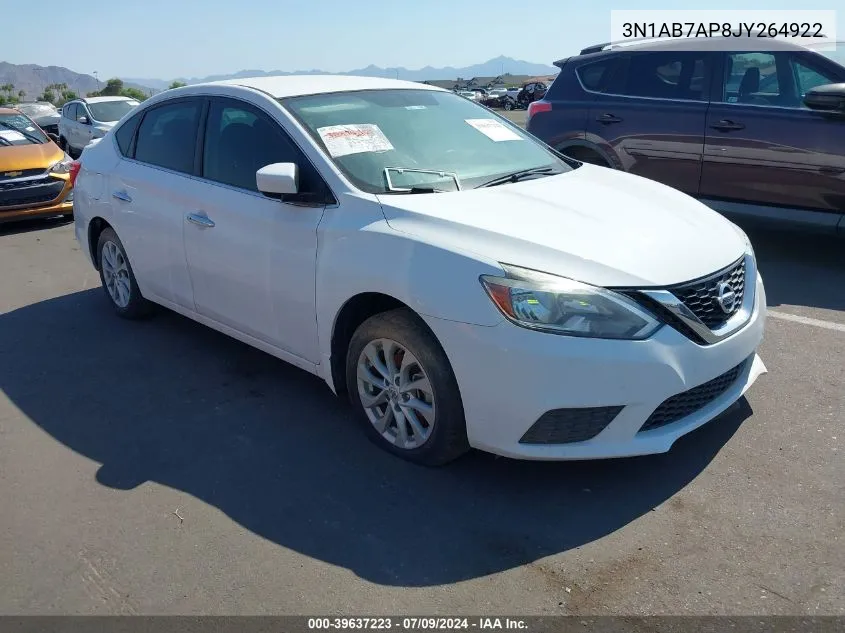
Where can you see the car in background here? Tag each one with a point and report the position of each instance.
(530, 92)
(756, 132)
(468, 94)
(460, 282)
(34, 171)
(44, 113)
(84, 120)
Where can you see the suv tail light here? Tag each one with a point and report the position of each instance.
(75, 166)
(536, 107)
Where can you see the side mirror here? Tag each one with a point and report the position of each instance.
(278, 179)
(83, 120)
(828, 98)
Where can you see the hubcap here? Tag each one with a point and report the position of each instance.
(396, 393)
(115, 274)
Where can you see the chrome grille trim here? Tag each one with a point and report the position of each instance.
(678, 309)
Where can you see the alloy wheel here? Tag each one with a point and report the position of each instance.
(396, 393)
(116, 274)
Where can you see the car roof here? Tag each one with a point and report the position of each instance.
(9, 111)
(751, 44)
(297, 85)
(104, 99)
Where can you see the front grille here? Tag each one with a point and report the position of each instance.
(665, 315)
(683, 404)
(563, 426)
(701, 297)
(30, 192)
(21, 173)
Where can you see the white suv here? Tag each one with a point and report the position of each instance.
(84, 120)
(462, 283)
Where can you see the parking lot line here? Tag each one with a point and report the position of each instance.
(828, 325)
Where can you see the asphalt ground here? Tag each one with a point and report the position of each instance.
(162, 468)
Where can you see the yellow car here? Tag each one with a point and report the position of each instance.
(35, 174)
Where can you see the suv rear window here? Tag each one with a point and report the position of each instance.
(664, 75)
(594, 76)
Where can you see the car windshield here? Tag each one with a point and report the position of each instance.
(385, 141)
(110, 111)
(19, 129)
(37, 109)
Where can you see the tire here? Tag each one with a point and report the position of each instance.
(129, 304)
(508, 105)
(443, 437)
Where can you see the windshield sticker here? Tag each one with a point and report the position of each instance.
(357, 138)
(12, 135)
(494, 130)
(30, 129)
(417, 107)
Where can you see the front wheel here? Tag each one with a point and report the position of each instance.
(403, 388)
(118, 279)
(509, 105)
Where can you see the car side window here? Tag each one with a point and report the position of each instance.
(753, 78)
(664, 75)
(808, 78)
(81, 110)
(126, 133)
(71, 112)
(240, 140)
(167, 136)
(594, 76)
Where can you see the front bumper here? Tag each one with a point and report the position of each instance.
(60, 202)
(510, 376)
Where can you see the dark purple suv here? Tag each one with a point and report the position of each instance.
(754, 134)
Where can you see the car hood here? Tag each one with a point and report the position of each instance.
(20, 157)
(592, 224)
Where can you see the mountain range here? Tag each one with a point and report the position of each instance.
(491, 68)
(32, 79)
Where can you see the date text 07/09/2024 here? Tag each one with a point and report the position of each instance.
(416, 623)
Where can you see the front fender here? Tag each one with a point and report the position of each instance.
(358, 252)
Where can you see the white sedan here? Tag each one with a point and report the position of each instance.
(461, 283)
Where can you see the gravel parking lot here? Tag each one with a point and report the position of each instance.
(160, 467)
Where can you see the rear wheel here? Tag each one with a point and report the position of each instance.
(119, 282)
(403, 388)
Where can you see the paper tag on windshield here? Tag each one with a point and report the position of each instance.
(12, 135)
(494, 130)
(342, 140)
(30, 129)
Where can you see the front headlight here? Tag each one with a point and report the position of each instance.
(63, 166)
(541, 301)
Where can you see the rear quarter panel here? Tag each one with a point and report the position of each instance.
(567, 120)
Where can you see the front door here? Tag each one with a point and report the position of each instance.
(650, 117)
(252, 258)
(764, 147)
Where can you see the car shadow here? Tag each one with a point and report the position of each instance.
(800, 268)
(38, 224)
(173, 402)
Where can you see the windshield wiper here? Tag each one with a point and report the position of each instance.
(519, 175)
(26, 135)
(418, 190)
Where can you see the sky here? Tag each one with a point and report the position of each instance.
(165, 39)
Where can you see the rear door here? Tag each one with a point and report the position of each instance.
(765, 148)
(152, 191)
(70, 124)
(650, 118)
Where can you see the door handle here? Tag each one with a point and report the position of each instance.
(726, 125)
(608, 118)
(200, 219)
(122, 196)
